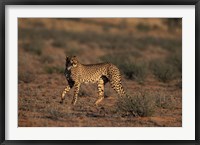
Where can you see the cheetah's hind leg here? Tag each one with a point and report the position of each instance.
(76, 90)
(105, 80)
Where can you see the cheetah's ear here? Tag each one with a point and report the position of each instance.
(67, 58)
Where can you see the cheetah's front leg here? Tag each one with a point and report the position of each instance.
(76, 90)
(100, 91)
(64, 92)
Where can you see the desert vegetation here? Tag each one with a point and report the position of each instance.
(148, 53)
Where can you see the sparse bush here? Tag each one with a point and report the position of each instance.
(136, 71)
(155, 27)
(140, 104)
(169, 68)
(54, 114)
(38, 24)
(176, 61)
(132, 70)
(106, 41)
(170, 45)
(26, 77)
(83, 92)
(173, 23)
(25, 104)
(166, 102)
(115, 59)
(46, 59)
(122, 24)
(106, 28)
(49, 70)
(59, 42)
(143, 27)
(70, 19)
(72, 52)
(179, 84)
(34, 47)
(162, 70)
(54, 69)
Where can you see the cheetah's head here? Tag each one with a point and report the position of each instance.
(71, 62)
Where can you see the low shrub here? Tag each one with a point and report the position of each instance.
(54, 69)
(115, 59)
(38, 24)
(166, 102)
(162, 70)
(53, 114)
(26, 77)
(46, 59)
(176, 61)
(59, 42)
(132, 70)
(72, 52)
(123, 24)
(173, 23)
(139, 104)
(34, 47)
(143, 27)
(104, 40)
(135, 71)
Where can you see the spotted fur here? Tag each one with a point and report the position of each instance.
(77, 73)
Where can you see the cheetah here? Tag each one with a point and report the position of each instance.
(77, 73)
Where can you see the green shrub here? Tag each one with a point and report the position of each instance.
(72, 52)
(140, 104)
(38, 24)
(168, 44)
(53, 114)
(115, 59)
(173, 23)
(162, 70)
(34, 47)
(54, 69)
(166, 102)
(26, 77)
(176, 61)
(122, 24)
(84, 92)
(179, 83)
(132, 70)
(104, 40)
(143, 27)
(136, 71)
(59, 42)
(46, 59)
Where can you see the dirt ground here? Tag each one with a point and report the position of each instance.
(147, 51)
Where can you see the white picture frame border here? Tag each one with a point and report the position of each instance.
(186, 132)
